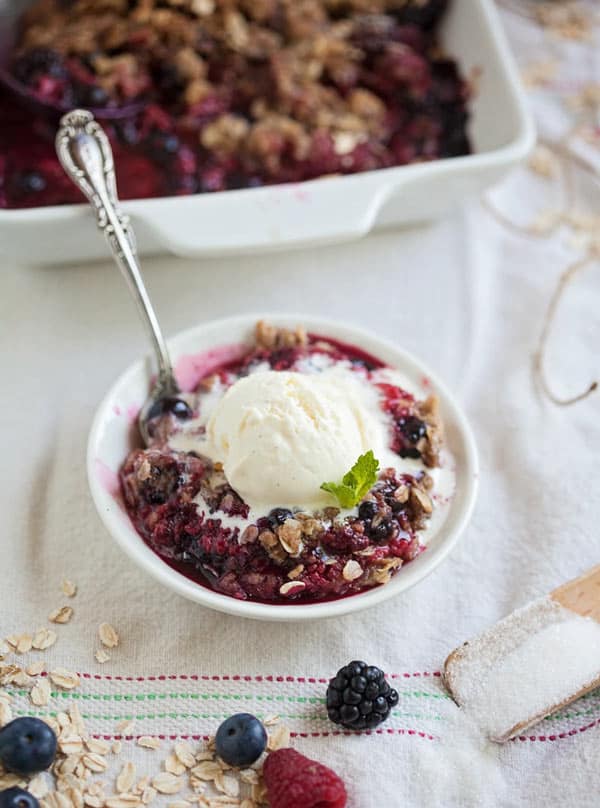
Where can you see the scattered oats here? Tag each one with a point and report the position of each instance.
(95, 763)
(126, 778)
(70, 745)
(587, 99)
(38, 786)
(564, 20)
(259, 792)
(76, 797)
(4, 648)
(96, 788)
(6, 714)
(167, 783)
(539, 74)
(24, 643)
(174, 765)
(279, 738)
(207, 770)
(8, 674)
(142, 784)
(543, 162)
(99, 747)
(108, 635)
(249, 776)
(544, 222)
(62, 615)
(116, 748)
(8, 780)
(123, 801)
(228, 785)
(93, 800)
(61, 677)
(40, 693)
(76, 718)
(148, 795)
(68, 588)
(149, 742)
(44, 638)
(4, 696)
(20, 678)
(185, 754)
(12, 640)
(178, 804)
(248, 804)
(352, 570)
(271, 720)
(298, 570)
(35, 668)
(125, 726)
(63, 720)
(101, 656)
(204, 754)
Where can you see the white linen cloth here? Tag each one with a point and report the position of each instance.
(465, 294)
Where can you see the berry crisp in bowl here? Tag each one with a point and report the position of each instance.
(309, 470)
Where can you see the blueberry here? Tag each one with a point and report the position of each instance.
(367, 510)
(17, 798)
(31, 182)
(27, 745)
(241, 740)
(279, 515)
(92, 95)
(412, 428)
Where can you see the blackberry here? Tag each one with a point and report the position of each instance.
(358, 697)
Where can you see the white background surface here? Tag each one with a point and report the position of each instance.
(467, 296)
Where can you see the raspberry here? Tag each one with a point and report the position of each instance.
(293, 780)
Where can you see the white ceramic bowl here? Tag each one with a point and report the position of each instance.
(323, 210)
(111, 436)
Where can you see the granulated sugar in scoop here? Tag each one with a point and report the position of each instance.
(534, 662)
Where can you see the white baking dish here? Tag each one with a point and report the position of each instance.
(318, 211)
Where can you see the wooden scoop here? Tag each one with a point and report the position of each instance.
(534, 662)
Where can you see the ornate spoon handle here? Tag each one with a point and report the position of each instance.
(85, 154)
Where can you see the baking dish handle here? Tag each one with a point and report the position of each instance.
(316, 212)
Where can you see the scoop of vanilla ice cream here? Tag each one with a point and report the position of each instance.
(281, 434)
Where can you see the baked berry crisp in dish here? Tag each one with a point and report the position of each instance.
(233, 94)
(306, 470)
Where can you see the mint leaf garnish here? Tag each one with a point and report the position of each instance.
(356, 483)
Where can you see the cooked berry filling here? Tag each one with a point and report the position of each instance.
(233, 95)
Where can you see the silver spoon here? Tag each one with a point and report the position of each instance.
(86, 156)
